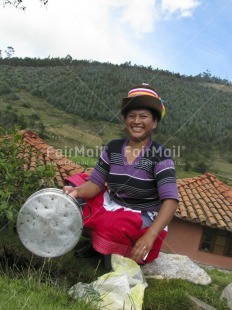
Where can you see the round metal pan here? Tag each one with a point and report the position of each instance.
(50, 223)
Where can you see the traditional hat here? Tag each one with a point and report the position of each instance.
(143, 96)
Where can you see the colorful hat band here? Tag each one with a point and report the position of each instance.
(145, 91)
(141, 92)
(163, 110)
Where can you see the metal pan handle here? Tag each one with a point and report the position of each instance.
(85, 204)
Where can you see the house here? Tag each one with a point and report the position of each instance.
(202, 225)
(35, 150)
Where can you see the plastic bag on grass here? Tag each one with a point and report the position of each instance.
(122, 288)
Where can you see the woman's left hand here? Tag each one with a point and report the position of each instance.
(142, 247)
(144, 244)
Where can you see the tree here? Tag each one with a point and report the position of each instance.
(9, 51)
(19, 3)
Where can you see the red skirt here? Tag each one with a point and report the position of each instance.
(116, 231)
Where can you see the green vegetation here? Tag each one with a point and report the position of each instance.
(173, 293)
(28, 292)
(30, 282)
(73, 103)
(18, 181)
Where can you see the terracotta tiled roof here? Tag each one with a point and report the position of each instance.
(205, 200)
(35, 149)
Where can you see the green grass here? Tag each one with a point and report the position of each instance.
(30, 282)
(181, 174)
(223, 170)
(63, 130)
(36, 290)
(30, 293)
(173, 293)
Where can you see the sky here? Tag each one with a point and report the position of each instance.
(181, 36)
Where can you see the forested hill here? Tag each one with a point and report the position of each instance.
(198, 109)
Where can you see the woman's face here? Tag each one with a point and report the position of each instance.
(140, 124)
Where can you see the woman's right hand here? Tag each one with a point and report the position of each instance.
(86, 190)
(70, 190)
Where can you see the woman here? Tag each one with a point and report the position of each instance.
(130, 216)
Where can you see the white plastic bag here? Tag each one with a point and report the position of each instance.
(123, 288)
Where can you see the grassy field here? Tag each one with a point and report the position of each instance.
(29, 282)
(63, 130)
(29, 293)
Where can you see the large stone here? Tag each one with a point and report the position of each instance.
(173, 266)
(227, 295)
(197, 304)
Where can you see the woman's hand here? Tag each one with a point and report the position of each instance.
(70, 190)
(142, 247)
(86, 190)
(145, 243)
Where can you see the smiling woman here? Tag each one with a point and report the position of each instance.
(130, 215)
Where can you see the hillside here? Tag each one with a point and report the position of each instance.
(75, 103)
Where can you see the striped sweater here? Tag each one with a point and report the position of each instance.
(141, 185)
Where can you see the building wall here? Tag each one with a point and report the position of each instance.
(184, 238)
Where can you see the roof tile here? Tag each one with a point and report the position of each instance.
(34, 148)
(206, 200)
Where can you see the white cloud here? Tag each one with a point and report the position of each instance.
(184, 8)
(103, 30)
(89, 29)
(138, 15)
(81, 29)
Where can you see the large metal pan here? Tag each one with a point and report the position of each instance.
(50, 223)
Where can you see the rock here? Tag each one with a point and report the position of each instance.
(227, 295)
(173, 266)
(154, 276)
(197, 304)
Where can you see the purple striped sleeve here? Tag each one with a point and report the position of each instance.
(101, 170)
(168, 191)
(166, 180)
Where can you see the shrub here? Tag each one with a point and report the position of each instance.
(26, 105)
(17, 183)
(12, 96)
(4, 88)
(8, 118)
(35, 116)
